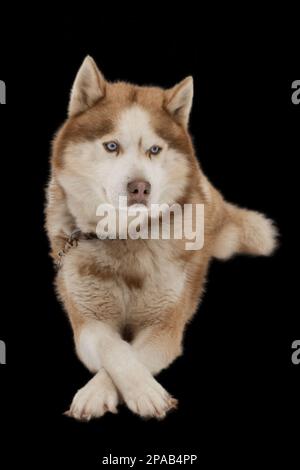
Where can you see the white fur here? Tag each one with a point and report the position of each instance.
(259, 233)
(141, 392)
(86, 351)
(97, 397)
(92, 176)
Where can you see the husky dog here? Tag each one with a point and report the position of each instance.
(129, 301)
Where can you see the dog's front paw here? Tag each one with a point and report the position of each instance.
(149, 399)
(97, 397)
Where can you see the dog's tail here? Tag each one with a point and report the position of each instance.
(245, 231)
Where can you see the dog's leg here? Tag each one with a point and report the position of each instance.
(98, 343)
(97, 397)
(100, 394)
(158, 346)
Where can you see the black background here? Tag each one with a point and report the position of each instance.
(236, 384)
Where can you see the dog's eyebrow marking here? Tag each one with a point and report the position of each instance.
(140, 144)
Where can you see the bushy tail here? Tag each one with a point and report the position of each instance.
(245, 231)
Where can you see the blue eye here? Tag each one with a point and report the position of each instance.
(111, 146)
(154, 150)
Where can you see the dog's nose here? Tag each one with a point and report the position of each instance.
(138, 192)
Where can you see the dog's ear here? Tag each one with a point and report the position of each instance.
(179, 100)
(88, 87)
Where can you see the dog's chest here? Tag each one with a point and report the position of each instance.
(151, 266)
(137, 280)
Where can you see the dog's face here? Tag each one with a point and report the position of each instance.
(124, 140)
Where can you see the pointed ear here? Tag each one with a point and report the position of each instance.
(179, 100)
(88, 87)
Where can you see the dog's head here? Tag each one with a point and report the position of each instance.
(124, 140)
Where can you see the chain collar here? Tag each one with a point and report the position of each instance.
(71, 242)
